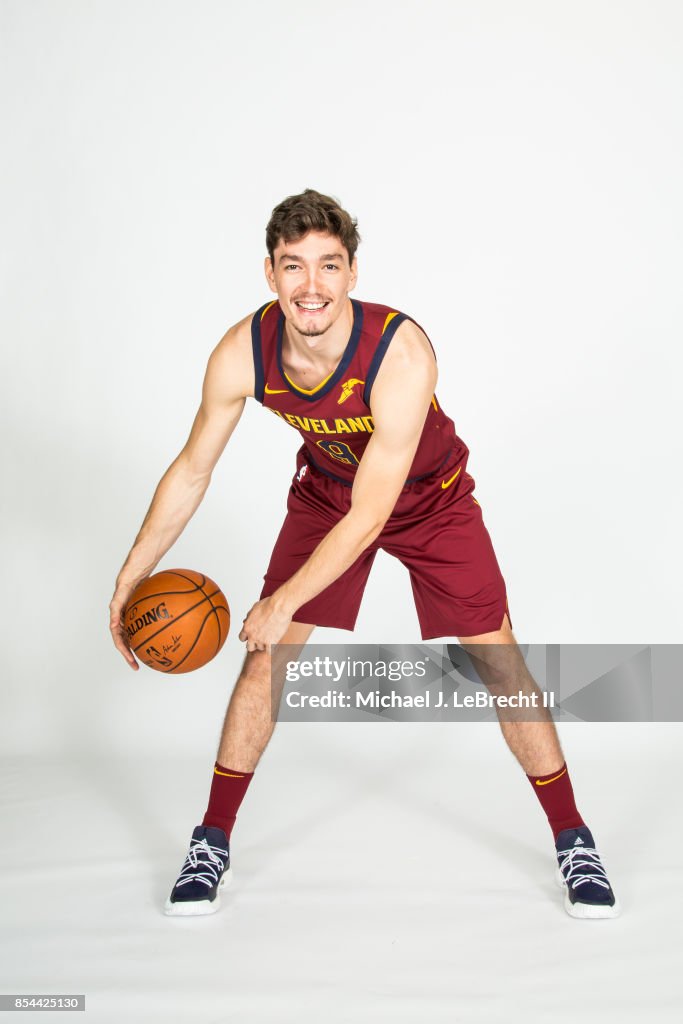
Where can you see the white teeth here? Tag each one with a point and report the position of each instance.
(311, 305)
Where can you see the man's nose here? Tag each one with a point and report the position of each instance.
(313, 280)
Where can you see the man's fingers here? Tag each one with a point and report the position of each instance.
(123, 649)
(132, 662)
(117, 609)
(120, 639)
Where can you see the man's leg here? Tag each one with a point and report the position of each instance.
(532, 738)
(248, 726)
(502, 668)
(529, 732)
(249, 723)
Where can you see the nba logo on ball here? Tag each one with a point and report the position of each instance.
(177, 620)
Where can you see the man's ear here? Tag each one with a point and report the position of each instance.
(354, 274)
(270, 276)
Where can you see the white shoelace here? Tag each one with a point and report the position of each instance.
(208, 870)
(573, 860)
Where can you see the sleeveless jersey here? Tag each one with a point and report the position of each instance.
(334, 418)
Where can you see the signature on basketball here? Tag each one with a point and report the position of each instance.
(174, 644)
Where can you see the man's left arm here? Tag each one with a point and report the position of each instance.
(400, 400)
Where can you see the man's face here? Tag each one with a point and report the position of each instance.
(312, 278)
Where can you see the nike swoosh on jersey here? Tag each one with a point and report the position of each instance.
(447, 483)
(554, 778)
(275, 391)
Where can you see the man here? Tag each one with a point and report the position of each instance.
(381, 466)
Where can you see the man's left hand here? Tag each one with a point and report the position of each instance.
(264, 625)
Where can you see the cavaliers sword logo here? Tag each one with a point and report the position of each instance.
(347, 388)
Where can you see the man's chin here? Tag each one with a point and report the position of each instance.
(313, 326)
(311, 330)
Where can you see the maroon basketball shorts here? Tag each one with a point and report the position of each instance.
(436, 530)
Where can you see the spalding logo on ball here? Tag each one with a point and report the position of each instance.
(177, 620)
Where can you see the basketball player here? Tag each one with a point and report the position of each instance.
(381, 466)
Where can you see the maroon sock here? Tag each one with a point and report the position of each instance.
(556, 797)
(227, 791)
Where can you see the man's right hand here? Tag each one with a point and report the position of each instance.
(117, 608)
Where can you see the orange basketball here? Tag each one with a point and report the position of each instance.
(177, 620)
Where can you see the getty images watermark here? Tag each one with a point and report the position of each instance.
(433, 682)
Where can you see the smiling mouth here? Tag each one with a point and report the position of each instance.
(311, 308)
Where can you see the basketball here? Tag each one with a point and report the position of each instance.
(177, 620)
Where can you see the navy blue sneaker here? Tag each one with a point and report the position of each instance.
(587, 892)
(205, 871)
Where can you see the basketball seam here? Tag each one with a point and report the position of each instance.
(176, 618)
(198, 586)
(162, 593)
(169, 671)
(218, 621)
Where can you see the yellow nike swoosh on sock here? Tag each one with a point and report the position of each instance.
(447, 483)
(229, 774)
(539, 783)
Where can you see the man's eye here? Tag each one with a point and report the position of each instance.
(332, 265)
(291, 266)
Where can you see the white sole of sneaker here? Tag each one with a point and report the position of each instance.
(197, 908)
(585, 911)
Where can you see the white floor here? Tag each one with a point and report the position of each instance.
(383, 873)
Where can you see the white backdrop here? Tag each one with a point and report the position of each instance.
(515, 170)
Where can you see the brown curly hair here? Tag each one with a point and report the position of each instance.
(295, 216)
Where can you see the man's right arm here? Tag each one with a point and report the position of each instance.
(229, 380)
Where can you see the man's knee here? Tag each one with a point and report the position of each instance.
(260, 667)
(499, 662)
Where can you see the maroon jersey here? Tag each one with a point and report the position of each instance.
(334, 417)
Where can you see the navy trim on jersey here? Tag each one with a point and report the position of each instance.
(380, 353)
(259, 378)
(349, 353)
(309, 458)
(423, 476)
